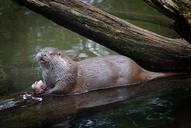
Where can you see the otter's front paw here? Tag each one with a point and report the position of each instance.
(39, 87)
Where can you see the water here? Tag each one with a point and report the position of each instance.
(150, 113)
(23, 31)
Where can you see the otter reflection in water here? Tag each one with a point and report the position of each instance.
(62, 75)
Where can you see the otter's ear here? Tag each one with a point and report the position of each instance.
(71, 54)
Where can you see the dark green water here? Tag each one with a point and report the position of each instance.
(22, 31)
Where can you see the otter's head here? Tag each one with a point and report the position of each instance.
(47, 56)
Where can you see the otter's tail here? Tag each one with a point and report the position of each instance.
(156, 75)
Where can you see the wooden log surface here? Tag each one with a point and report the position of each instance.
(150, 50)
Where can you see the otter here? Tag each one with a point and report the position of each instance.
(62, 75)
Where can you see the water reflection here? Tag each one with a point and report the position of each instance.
(92, 1)
(104, 108)
(87, 48)
(140, 14)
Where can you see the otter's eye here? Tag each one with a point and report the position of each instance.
(59, 53)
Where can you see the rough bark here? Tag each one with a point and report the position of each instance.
(150, 50)
(180, 11)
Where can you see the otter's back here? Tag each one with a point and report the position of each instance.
(106, 72)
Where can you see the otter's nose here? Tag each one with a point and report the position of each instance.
(40, 56)
(43, 54)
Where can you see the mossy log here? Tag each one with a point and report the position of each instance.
(150, 50)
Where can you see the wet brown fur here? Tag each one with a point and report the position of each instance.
(62, 75)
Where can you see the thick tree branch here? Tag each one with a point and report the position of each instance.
(150, 50)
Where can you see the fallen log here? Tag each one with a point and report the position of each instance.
(152, 51)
